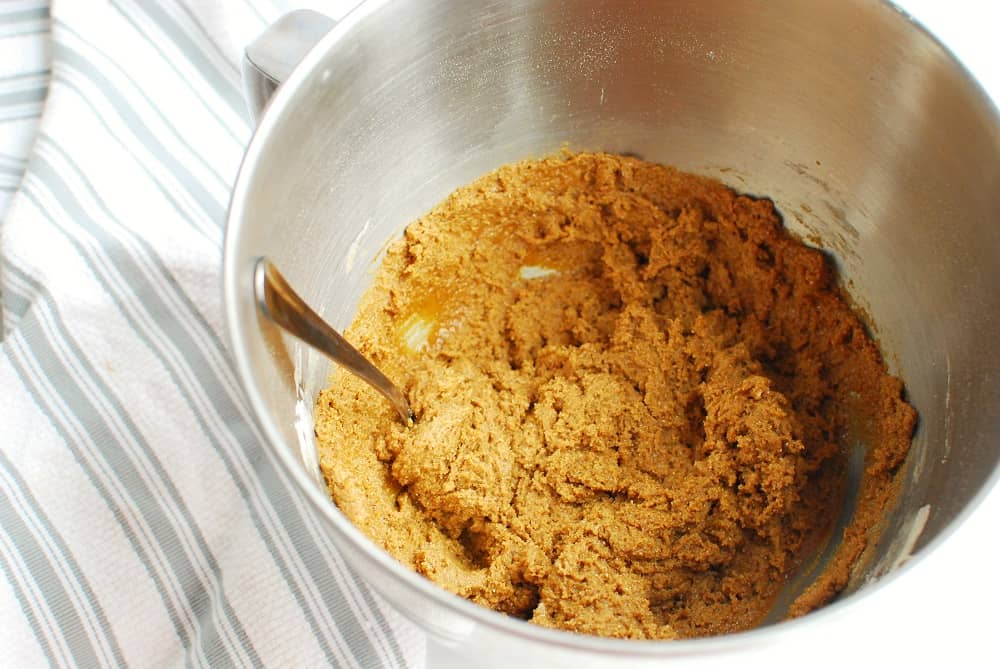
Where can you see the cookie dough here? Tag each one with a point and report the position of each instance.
(632, 390)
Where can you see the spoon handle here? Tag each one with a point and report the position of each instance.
(283, 306)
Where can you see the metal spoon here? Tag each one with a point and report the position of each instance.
(283, 306)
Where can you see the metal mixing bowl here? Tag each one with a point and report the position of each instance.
(870, 138)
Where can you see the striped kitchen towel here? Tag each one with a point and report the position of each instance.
(142, 522)
(24, 78)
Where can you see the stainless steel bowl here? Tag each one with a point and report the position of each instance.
(871, 139)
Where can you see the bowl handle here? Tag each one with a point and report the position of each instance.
(270, 58)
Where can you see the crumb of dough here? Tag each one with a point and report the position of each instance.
(631, 387)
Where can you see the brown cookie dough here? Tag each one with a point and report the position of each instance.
(631, 388)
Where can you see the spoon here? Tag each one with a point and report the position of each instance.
(283, 306)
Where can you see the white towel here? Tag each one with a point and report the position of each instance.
(142, 521)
